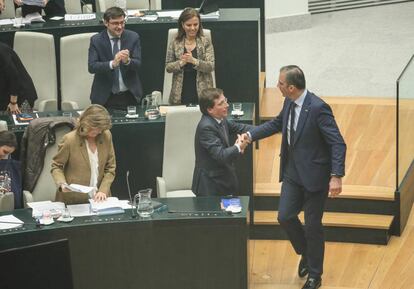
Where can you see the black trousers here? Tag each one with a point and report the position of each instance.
(307, 240)
(120, 100)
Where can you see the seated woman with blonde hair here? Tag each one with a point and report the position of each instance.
(86, 157)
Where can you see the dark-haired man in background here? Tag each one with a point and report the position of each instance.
(312, 162)
(115, 59)
(214, 172)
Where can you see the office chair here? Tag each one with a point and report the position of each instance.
(179, 155)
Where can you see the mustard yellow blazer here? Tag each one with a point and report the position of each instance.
(71, 163)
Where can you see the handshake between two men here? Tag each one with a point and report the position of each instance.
(242, 141)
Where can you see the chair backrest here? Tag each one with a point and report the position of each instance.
(9, 11)
(37, 53)
(179, 156)
(105, 4)
(45, 188)
(168, 76)
(73, 7)
(138, 4)
(3, 125)
(75, 79)
(102, 5)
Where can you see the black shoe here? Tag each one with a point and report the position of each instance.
(312, 283)
(303, 267)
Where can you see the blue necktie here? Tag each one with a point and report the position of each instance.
(115, 83)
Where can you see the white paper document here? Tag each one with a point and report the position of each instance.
(6, 22)
(80, 188)
(79, 17)
(10, 222)
(175, 14)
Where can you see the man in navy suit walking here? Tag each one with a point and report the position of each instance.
(312, 163)
(115, 59)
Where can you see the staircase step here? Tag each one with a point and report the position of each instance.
(349, 220)
(348, 192)
(338, 227)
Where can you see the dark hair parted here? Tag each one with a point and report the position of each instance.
(207, 97)
(7, 138)
(112, 13)
(294, 76)
(94, 116)
(187, 14)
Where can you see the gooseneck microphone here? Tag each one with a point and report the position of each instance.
(133, 214)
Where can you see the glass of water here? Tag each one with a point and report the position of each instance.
(132, 110)
(237, 106)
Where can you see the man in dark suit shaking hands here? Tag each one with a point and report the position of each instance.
(115, 59)
(312, 162)
(214, 172)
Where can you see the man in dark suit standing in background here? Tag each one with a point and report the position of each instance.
(115, 59)
(312, 162)
(214, 172)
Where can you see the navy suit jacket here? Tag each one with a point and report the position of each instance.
(318, 148)
(214, 172)
(100, 54)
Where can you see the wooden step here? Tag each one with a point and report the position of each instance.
(348, 192)
(272, 100)
(271, 103)
(349, 220)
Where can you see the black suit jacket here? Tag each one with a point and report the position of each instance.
(14, 79)
(318, 149)
(100, 54)
(214, 172)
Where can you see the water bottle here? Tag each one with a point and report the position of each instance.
(25, 107)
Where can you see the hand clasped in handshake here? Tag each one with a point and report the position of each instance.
(243, 140)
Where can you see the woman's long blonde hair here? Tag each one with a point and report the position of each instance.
(94, 116)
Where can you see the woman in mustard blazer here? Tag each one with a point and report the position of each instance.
(86, 157)
(190, 57)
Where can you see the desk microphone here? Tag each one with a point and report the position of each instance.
(133, 215)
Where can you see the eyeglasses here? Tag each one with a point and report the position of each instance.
(117, 23)
(223, 101)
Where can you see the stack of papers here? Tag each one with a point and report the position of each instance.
(10, 222)
(55, 208)
(108, 207)
(212, 15)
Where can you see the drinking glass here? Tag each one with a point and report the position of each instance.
(132, 110)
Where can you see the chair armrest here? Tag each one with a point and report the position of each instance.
(27, 198)
(7, 202)
(70, 105)
(47, 105)
(161, 188)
